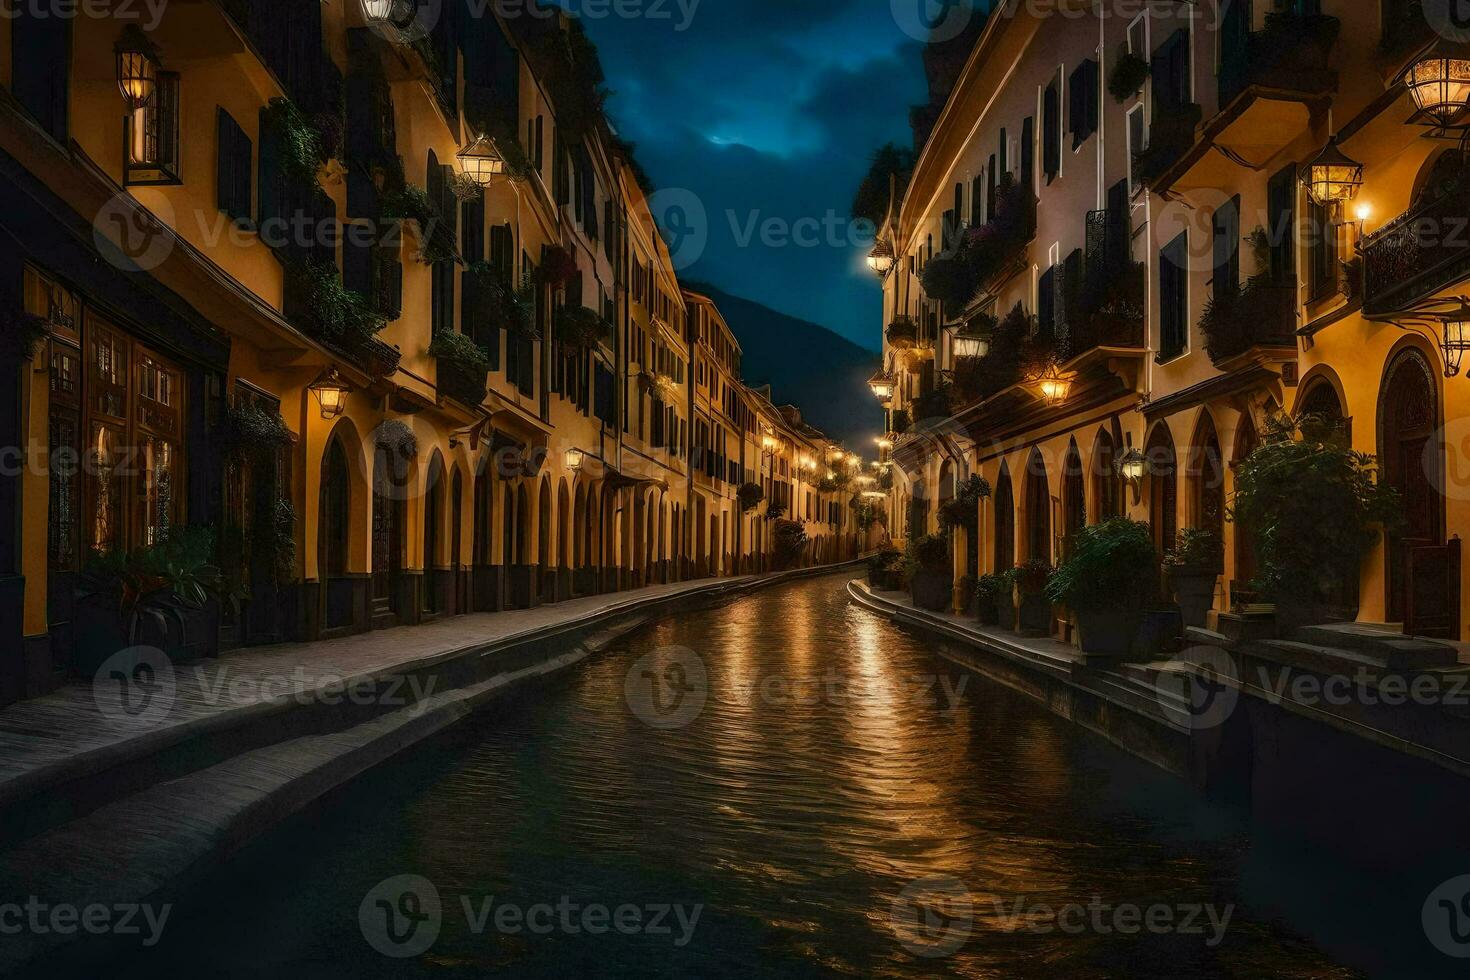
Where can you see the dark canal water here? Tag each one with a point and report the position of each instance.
(846, 802)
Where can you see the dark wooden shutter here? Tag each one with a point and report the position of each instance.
(1226, 230)
(272, 180)
(1051, 138)
(40, 60)
(1028, 153)
(234, 176)
(1281, 205)
(1170, 70)
(359, 260)
(1173, 296)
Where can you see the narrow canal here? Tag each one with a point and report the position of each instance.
(843, 802)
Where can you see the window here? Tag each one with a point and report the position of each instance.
(1226, 229)
(1051, 126)
(1171, 73)
(1137, 143)
(234, 171)
(1323, 251)
(40, 65)
(1084, 92)
(151, 136)
(1174, 298)
(1028, 153)
(1281, 232)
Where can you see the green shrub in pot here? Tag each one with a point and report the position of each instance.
(930, 572)
(1193, 566)
(1107, 579)
(991, 591)
(1031, 578)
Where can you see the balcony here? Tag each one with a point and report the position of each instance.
(1257, 316)
(1289, 59)
(1170, 137)
(902, 333)
(465, 387)
(1418, 254)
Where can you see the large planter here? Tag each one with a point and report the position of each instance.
(1005, 610)
(1035, 613)
(1108, 631)
(988, 611)
(1194, 591)
(931, 590)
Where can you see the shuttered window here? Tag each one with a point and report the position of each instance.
(151, 136)
(40, 66)
(1051, 131)
(1028, 153)
(1170, 70)
(1281, 205)
(1174, 297)
(1226, 228)
(1082, 97)
(234, 172)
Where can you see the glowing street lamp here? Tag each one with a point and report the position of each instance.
(387, 13)
(137, 68)
(882, 386)
(481, 161)
(574, 458)
(1333, 178)
(1133, 467)
(1456, 338)
(1053, 385)
(880, 259)
(1439, 83)
(331, 393)
(884, 442)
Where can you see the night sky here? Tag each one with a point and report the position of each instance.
(763, 109)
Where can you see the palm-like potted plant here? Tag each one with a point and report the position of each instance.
(930, 572)
(1031, 578)
(1192, 567)
(1106, 581)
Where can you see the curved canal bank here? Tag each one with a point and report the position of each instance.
(841, 800)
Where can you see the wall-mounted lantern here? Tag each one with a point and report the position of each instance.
(1456, 337)
(1133, 467)
(882, 386)
(1053, 385)
(1439, 83)
(574, 458)
(880, 259)
(1334, 178)
(331, 393)
(137, 67)
(480, 161)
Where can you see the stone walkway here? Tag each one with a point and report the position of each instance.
(84, 727)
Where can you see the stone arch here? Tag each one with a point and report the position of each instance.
(334, 536)
(434, 538)
(1005, 520)
(458, 581)
(1247, 438)
(1206, 478)
(545, 540)
(1107, 485)
(1321, 393)
(1410, 414)
(1161, 486)
(1037, 507)
(1074, 495)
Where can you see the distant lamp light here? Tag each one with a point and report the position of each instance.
(866, 480)
(969, 343)
(1456, 338)
(331, 393)
(1439, 83)
(1133, 467)
(1363, 212)
(386, 13)
(574, 458)
(481, 161)
(1334, 177)
(137, 67)
(882, 386)
(874, 494)
(1053, 386)
(884, 442)
(768, 443)
(880, 259)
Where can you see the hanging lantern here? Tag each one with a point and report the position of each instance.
(1456, 338)
(1053, 385)
(331, 393)
(387, 13)
(481, 161)
(966, 343)
(137, 68)
(1334, 177)
(884, 442)
(574, 457)
(1439, 83)
(880, 259)
(768, 443)
(882, 386)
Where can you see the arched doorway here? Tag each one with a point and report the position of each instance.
(1207, 480)
(459, 581)
(1005, 522)
(1107, 491)
(565, 537)
(546, 581)
(1412, 462)
(1320, 400)
(1074, 497)
(1247, 438)
(433, 599)
(1163, 488)
(1038, 509)
(484, 532)
(390, 490)
(333, 540)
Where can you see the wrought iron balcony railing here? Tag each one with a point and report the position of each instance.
(1291, 54)
(1262, 313)
(1421, 252)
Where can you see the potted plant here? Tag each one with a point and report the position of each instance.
(790, 540)
(750, 496)
(885, 571)
(1314, 508)
(989, 590)
(965, 591)
(1031, 579)
(930, 572)
(1192, 567)
(1105, 582)
(163, 595)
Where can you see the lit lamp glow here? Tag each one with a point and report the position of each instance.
(768, 443)
(874, 494)
(1439, 84)
(1363, 212)
(481, 161)
(387, 12)
(1334, 177)
(1456, 338)
(880, 259)
(137, 68)
(331, 393)
(882, 386)
(967, 344)
(1054, 386)
(1133, 467)
(884, 442)
(574, 457)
